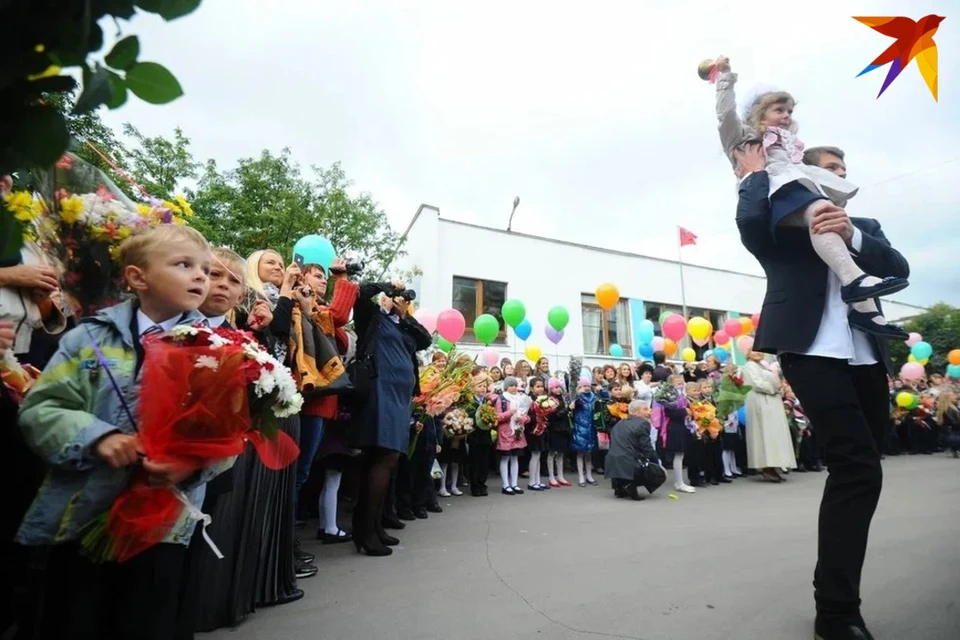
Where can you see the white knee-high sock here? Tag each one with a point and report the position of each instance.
(328, 500)
(551, 456)
(728, 463)
(580, 468)
(559, 460)
(443, 477)
(588, 463)
(514, 471)
(535, 469)
(505, 471)
(454, 474)
(678, 470)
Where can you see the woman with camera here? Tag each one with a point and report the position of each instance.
(388, 340)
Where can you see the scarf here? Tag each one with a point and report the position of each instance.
(272, 292)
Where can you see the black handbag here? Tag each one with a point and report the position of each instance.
(650, 475)
(362, 370)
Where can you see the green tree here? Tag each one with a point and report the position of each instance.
(266, 202)
(940, 326)
(160, 164)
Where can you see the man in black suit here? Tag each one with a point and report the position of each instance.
(839, 375)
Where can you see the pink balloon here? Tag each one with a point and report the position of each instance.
(911, 371)
(721, 337)
(451, 325)
(744, 344)
(427, 318)
(755, 319)
(732, 327)
(657, 343)
(914, 338)
(674, 327)
(490, 357)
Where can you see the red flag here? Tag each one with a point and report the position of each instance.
(686, 237)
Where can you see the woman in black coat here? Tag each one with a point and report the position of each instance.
(389, 339)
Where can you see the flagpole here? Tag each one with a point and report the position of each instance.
(683, 295)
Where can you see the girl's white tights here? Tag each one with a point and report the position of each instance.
(454, 478)
(555, 459)
(535, 469)
(585, 467)
(730, 463)
(509, 471)
(678, 471)
(836, 255)
(328, 501)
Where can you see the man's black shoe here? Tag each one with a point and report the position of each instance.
(406, 514)
(824, 630)
(434, 508)
(478, 493)
(421, 513)
(392, 523)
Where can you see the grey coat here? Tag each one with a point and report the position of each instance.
(629, 442)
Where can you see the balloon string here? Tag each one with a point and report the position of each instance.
(113, 165)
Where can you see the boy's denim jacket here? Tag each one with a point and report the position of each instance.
(70, 408)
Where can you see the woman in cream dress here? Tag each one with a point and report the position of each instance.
(769, 447)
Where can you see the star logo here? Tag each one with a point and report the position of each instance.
(914, 40)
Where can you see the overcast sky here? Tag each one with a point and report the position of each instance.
(591, 114)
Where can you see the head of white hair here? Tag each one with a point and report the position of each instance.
(636, 406)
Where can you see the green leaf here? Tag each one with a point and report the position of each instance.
(124, 53)
(169, 9)
(11, 234)
(119, 87)
(97, 89)
(153, 83)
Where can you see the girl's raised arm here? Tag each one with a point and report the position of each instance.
(732, 130)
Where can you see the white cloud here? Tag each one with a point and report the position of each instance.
(592, 114)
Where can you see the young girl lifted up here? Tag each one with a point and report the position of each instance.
(797, 190)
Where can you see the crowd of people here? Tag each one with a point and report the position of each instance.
(76, 445)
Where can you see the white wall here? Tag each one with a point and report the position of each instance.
(555, 273)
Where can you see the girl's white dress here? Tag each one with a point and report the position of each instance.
(784, 150)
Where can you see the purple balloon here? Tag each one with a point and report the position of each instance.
(553, 335)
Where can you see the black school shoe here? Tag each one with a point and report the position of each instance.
(303, 570)
(863, 321)
(434, 508)
(392, 523)
(823, 630)
(420, 513)
(856, 292)
(406, 514)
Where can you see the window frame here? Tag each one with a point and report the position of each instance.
(468, 335)
(605, 325)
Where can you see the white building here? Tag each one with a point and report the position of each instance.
(455, 270)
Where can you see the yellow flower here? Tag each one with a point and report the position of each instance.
(143, 209)
(52, 70)
(18, 200)
(184, 205)
(98, 232)
(71, 209)
(124, 232)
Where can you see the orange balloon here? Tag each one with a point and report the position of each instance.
(669, 346)
(746, 324)
(607, 296)
(954, 356)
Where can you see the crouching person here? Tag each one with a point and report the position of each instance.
(631, 461)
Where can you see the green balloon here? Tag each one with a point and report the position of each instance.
(558, 317)
(513, 312)
(486, 328)
(444, 345)
(663, 316)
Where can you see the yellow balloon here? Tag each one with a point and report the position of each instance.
(904, 399)
(607, 296)
(925, 361)
(699, 328)
(689, 354)
(533, 353)
(746, 324)
(911, 358)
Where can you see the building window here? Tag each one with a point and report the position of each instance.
(600, 330)
(473, 297)
(653, 310)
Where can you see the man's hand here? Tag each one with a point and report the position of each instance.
(119, 449)
(168, 474)
(261, 316)
(8, 333)
(750, 159)
(27, 276)
(439, 449)
(338, 268)
(833, 219)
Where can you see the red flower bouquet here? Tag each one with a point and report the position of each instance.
(205, 393)
(543, 408)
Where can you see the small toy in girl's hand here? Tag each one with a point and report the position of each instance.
(17, 377)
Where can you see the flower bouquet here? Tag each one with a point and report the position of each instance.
(704, 417)
(619, 410)
(486, 417)
(440, 389)
(457, 424)
(205, 393)
(17, 377)
(81, 219)
(731, 395)
(543, 408)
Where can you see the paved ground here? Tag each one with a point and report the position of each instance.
(730, 562)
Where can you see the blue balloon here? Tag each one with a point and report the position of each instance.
(953, 370)
(524, 329)
(645, 351)
(616, 351)
(921, 350)
(706, 354)
(721, 354)
(646, 332)
(314, 249)
(742, 416)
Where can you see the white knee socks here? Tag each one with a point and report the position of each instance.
(729, 462)
(678, 471)
(580, 468)
(588, 463)
(454, 478)
(505, 472)
(443, 480)
(534, 480)
(550, 475)
(328, 501)
(514, 471)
